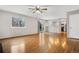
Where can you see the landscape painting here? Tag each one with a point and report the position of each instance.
(17, 22)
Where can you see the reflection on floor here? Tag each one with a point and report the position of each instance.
(42, 42)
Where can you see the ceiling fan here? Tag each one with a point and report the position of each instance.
(38, 9)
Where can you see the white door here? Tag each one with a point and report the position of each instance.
(73, 29)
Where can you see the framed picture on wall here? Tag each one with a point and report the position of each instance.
(18, 22)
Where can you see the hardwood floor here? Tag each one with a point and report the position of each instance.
(42, 42)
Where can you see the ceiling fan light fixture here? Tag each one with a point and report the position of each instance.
(37, 9)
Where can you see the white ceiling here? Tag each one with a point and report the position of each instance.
(53, 12)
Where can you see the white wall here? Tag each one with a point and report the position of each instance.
(73, 22)
(6, 29)
(63, 9)
(54, 27)
(73, 26)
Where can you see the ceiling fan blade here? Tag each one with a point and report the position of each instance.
(44, 9)
(34, 11)
(41, 11)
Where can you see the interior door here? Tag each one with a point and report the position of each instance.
(73, 28)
